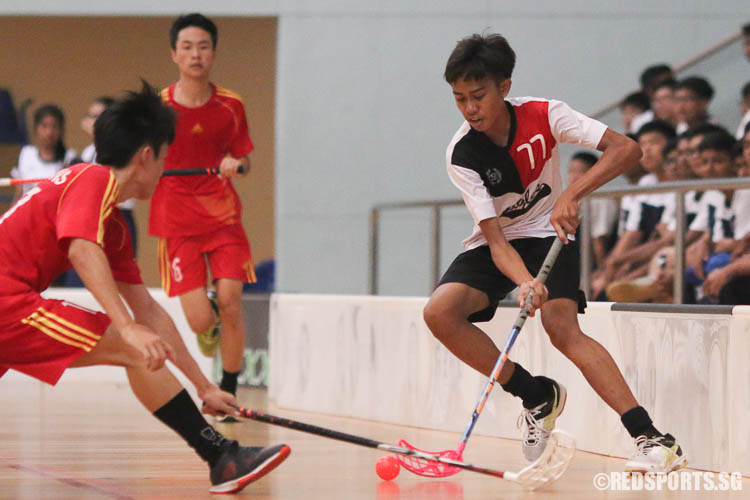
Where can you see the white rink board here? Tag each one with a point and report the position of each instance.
(374, 358)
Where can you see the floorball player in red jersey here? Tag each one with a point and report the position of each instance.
(197, 218)
(71, 220)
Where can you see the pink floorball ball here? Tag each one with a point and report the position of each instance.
(387, 468)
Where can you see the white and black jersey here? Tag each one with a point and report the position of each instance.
(715, 216)
(692, 207)
(520, 182)
(636, 212)
(646, 211)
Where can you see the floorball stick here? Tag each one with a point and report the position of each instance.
(443, 469)
(8, 181)
(550, 466)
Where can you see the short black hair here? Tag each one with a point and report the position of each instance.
(586, 157)
(135, 120)
(670, 146)
(746, 29)
(702, 129)
(636, 99)
(194, 19)
(664, 128)
(717, 141)
(698, 86)
(670, 83)
(652, 75)
(479, 56)
(745, 92)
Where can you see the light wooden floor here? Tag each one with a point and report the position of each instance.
(90, 441)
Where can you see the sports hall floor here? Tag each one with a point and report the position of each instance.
(93, 441)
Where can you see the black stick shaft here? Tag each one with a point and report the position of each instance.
(370, 443)
(309, 428)
(195, 171)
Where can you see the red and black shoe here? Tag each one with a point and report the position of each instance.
(239, 466)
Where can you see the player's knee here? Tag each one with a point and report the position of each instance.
(439, 322)
(561, 334)
(201, 324)
(229, 304)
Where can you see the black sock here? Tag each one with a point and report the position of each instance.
(532, 390)
(182, 416)
(638, 423)
(229, 382)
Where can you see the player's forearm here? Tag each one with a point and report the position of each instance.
(619, 153)
(643, 253)
(504, 256)
(155, 317)
(628, 240)
(91, 264)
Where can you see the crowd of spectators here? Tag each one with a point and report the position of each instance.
(633, 244)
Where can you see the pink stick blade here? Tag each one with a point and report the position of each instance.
(429, 468)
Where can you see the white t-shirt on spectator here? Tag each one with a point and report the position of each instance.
(715, 216)
(630, 202)
(692, 207)
(31, 165)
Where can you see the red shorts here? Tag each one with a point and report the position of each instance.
(44, 343)
(182, 259)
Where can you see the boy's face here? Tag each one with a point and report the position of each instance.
(746, 149)
(746, 44)
(716, 163)
(481, 102)
(194, 53)
(693, 156)
(662, 103)
(688, 106)
(741, 166)
(672, 169)
(627, 113)
(652, 144)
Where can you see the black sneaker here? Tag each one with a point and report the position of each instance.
(239, 466)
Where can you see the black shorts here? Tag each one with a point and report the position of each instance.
(476, 269)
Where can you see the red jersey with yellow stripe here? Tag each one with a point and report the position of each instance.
(78, 202)
(190, 205)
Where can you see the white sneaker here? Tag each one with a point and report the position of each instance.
(656, 454)
(540, 422)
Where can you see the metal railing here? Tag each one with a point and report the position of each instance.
(435, 230)
(678, 188)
